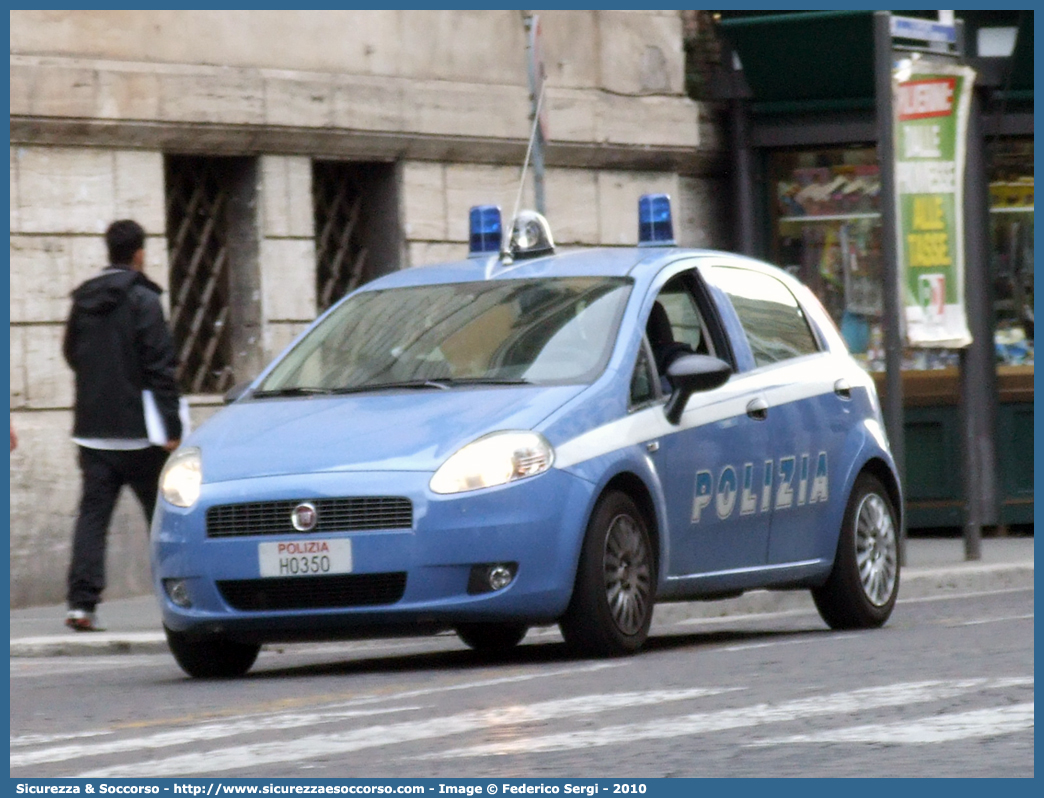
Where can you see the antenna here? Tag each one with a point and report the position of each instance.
(506, 250)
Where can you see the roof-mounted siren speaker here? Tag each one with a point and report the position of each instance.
(530, 236)
(655, 227)
(485, 231)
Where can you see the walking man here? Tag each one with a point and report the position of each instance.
(118, 344)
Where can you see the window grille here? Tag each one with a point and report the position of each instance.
(198, 221)
(341, 254)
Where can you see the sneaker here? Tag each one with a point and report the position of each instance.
(82, 621)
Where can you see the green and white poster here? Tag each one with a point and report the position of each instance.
(930, 104)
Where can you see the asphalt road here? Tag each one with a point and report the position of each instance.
(945, 689)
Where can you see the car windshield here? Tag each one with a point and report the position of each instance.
(543, 331)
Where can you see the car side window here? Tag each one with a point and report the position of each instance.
(643, 380)
(676, 326)
(772, 318)
(686, 324)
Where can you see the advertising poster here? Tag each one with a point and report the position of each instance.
(931, 102)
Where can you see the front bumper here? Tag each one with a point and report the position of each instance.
(537, 523)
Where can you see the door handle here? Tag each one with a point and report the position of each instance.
(843, 389)
(757, 409)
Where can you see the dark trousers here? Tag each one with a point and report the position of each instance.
(104, 473)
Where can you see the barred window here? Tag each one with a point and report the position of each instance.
(356, 226)
(212, 248)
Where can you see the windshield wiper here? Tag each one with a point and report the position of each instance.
(297, 390)
(381, 386)
(485, 381)
(443, 384)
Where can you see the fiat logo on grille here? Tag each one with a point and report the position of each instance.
(304, 517)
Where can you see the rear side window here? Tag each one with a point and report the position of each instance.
(773, 320)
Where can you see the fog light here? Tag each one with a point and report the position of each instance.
(177, 592)
(500, 576)
(489, 577)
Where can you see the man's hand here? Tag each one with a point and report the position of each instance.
(170, 446)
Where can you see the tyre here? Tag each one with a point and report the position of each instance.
(211, 657)
(612, 603)
(492, 638)
(861, 589)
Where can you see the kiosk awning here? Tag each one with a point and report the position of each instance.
(801, 61)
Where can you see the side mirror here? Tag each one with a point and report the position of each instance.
(236, 391)
(690, 374)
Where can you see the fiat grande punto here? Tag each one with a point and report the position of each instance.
(527, 437)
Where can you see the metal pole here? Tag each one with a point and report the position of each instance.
(977, 366)
(538, 174)
(536, 80)
(893, 399)
(743, 181)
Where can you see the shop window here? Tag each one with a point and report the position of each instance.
(1011, 231)
(212, 255)
(827, 222)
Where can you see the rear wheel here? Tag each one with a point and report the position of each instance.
(861, 590)
(612, 604)
(211, 657)
(492, 638)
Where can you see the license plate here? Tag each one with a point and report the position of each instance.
(305, 557)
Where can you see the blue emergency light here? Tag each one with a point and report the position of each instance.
(655, 228)
(485, 230)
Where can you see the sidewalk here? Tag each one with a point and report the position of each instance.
(934, 566)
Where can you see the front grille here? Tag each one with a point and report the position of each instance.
(335, 515)
(314, 592)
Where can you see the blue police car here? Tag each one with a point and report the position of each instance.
(528, 437)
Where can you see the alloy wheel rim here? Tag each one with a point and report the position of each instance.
(876, 549)
(628, 580)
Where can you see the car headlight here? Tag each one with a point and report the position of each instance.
(182, 476)
(496, 459)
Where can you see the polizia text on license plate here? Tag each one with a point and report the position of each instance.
(305, 557)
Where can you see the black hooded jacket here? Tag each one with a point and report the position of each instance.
(118, 343)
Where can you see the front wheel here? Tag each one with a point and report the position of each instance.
(612, 604)
(862, 587)
(210, 657)
(492, 638)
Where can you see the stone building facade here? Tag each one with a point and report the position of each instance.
(324, 147)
